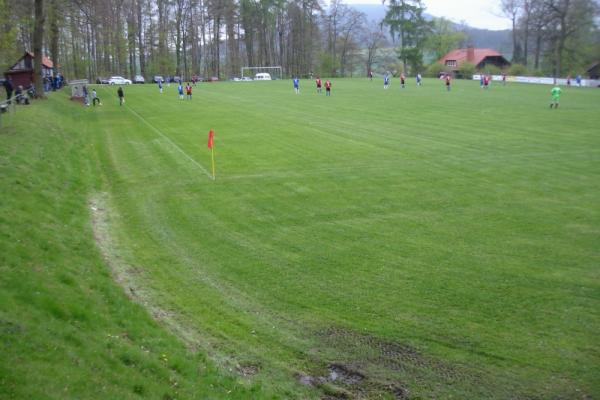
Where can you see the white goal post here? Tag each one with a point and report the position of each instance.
(251, 71)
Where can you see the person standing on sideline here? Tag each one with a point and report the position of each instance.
(504, 79)
(95, 98)
(188, 90)
(318, 82)
(121, 96)
(86, 100)
(180, 90)
(328, 87)
(160, 85)
(578, 80)
(386, 81)
(370, 75)
(447, 82)
(9, 89)
(296, 85)
(555, 96)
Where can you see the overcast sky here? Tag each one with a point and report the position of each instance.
(477, 13)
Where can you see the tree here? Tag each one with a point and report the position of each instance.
(572, 20)
(511, 8)
(373, 39)
(409, 27)
(38, 41)
(443, 37)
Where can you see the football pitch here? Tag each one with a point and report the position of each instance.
(404, 243)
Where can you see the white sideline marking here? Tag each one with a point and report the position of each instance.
(166, 138)
(170, 141)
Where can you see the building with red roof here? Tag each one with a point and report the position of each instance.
(480, 58)
(21, 73)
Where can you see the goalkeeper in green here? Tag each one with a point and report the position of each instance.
(555, 96)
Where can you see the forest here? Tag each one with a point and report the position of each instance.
(91, 38)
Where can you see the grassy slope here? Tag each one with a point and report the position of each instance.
(442, 242)
(463, 224)
(66, 329)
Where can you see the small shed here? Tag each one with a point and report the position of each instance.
(594, 71)
(21, 73)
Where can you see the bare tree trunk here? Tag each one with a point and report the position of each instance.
(141, 49)
(38, 37)
(54, 33)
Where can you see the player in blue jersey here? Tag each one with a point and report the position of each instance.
(296, 85)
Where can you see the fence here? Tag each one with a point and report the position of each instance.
(543, 80)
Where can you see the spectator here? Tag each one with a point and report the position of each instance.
(9, 88)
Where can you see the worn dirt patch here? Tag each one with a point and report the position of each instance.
(248, 370)
(131, 279)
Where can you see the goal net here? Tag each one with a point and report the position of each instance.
(276, 72)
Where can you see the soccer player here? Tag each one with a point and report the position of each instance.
(95, 98)
(447, 82)
(481, 79)
(386, 81)
(402, 79)
(121, 96)
(160, 85)
(296, 85)
(504, 79)
(328, 87)
(555, 96)
(188, 91)
(486, 81)
(180, 90)
(419, 79)
(318, 82)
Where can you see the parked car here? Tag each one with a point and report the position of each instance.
(139, 79)
(176, 79)
(262, 76)
(213, 79)
(246, 78)
(102, 81)
(158, 78)
(118, 80)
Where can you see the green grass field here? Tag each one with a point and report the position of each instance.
(410, 243)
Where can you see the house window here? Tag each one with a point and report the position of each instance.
(450, 63)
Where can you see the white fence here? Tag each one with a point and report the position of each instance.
(543, 80)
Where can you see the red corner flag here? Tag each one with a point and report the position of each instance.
(211, 135)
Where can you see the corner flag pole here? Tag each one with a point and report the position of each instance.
(211, 135)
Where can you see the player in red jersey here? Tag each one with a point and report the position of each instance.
(318, 81)
(188, 90)
(328, 87)
(402, 79)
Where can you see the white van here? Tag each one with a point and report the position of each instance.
(262, 76)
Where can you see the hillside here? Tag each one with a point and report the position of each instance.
(499, 40)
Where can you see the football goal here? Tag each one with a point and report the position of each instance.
(276, 72)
